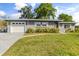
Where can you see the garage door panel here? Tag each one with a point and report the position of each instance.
(17, 29)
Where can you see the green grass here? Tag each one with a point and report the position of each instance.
(46, 45)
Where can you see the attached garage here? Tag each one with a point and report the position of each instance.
(17, 27)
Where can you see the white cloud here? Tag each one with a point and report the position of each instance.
(76, 17)
(59, 11)
(33, 5)
(2, 13)
(15, 15)
(66, 11)
(18, 6)
(71, 11)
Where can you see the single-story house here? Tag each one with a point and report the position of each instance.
(21, 25)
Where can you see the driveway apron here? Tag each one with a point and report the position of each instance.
(7, 40)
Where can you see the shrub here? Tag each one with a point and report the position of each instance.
(30, 30)
(53, 30)
(38, 30)
(76, 29)
(49, 30)
(69, 30)
(46, 30)
(42, 30)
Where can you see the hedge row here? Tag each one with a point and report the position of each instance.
(69, 30)
(76, 30)
(42, 30)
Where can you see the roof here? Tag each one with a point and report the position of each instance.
(33, 20)
(67, 22)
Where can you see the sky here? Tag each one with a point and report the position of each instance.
(11, 9)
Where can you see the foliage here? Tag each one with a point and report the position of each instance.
(30, 30)
(65, 17)
(44, 10)
(76, 29)
(3, 23)
(53, 30)
(26, 12)
(42, 30)
(69, 30)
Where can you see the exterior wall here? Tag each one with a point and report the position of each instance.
(64, 26)
(8, 27)
(52, 25)
(28, 25)
(61, 28)
(35, 24)
(72, 26)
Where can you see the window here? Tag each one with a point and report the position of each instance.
(38, 25)
(72, 24)
(66, 26)
(50, 23)
(22, 23)
(31, 23)
(19, 23)
(61, 25)
(43, 24)
(13, 23)
(16, 23)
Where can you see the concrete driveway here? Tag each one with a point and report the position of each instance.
(7, 40)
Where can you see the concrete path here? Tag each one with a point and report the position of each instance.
(7, 40)
(34, 35)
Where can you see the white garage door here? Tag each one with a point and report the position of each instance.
(16, 29)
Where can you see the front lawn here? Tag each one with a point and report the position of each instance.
(46, 45)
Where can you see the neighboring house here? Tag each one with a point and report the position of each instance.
(21, 25)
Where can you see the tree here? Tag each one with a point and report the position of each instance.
(3, 23)
(45, 10)
(65, 17)
(26, 12)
